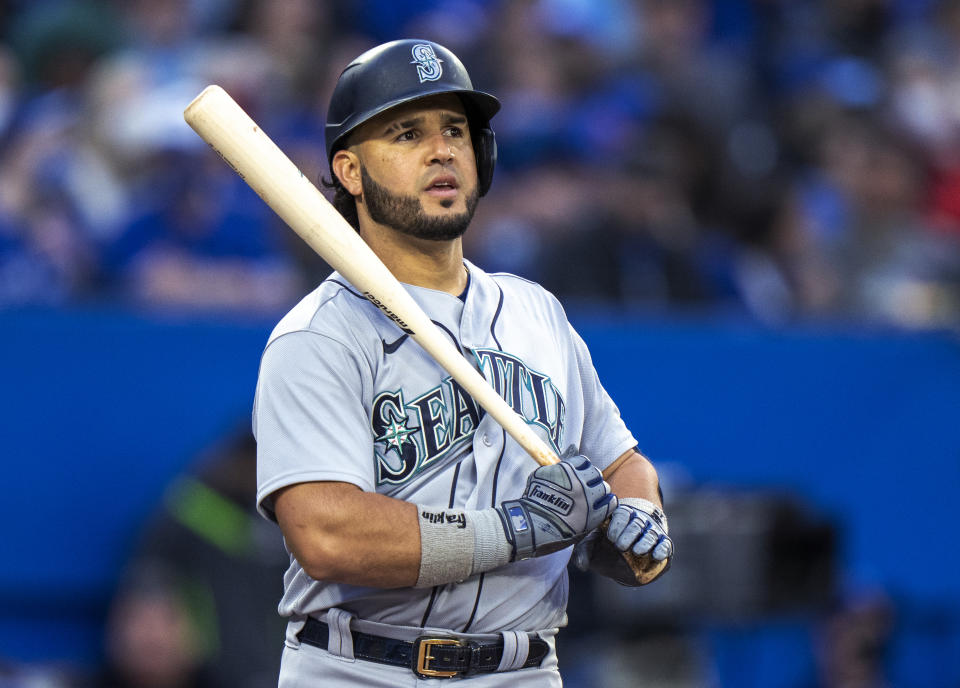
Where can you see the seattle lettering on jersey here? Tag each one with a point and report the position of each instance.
(529, 393)
(410, 436)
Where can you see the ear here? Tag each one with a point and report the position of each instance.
(346, 166)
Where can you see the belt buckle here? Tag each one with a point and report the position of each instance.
(423, 657)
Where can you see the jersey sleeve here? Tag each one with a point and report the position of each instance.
(309, 417)
(605, 436)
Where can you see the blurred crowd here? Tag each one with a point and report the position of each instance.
(783, 160)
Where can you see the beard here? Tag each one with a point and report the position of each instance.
(406, 215)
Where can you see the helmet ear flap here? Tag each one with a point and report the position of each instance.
(485, 150)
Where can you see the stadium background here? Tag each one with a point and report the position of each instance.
(750, 207)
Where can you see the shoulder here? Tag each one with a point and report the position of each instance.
(334, 313)
(333, 307)
(327, 336)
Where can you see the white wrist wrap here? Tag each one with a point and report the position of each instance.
(650, 508)
(455, 544)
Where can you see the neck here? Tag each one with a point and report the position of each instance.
(420, 262)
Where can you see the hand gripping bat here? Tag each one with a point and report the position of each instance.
(236, 138)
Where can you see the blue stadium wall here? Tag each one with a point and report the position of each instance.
(102, 408)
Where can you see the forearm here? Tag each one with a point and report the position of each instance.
(635, 476)
(339, 533)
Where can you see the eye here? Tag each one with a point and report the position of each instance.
(455, 132)
(408, 135)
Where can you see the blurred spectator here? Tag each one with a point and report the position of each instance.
(855, 239)
(193, 235)
(57, 42)
(151, 639)
(694, 75)
(294, 37)
(213, 570)
(783, 160)
(196, 242)
(47, 254)
(787, 160)
(852, 643)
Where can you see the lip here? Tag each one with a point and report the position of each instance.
(443, 186)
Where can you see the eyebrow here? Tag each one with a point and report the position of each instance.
(448, 118)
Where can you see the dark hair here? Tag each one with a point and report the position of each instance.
(343, 201)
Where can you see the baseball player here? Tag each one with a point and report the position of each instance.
(425, 544)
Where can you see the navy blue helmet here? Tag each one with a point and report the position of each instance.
(399, 72)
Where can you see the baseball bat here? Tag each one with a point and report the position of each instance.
(246, 148)
(222, 123)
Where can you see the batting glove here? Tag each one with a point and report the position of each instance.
(562, 503)
(637, 527)
(640, 526)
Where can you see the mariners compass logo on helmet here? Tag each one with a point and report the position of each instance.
(428, 64)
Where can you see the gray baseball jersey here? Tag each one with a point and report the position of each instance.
(344, 395)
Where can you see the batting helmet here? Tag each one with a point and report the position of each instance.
(398, 72)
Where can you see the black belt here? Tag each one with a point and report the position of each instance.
(428, 656)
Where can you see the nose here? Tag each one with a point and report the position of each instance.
(441, 150)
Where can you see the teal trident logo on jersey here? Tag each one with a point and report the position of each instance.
(411, 435)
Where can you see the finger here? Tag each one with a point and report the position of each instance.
(619, 520)
(630, 534)
(648, 539)
(592, 479)
(607, 501)
(590, 474)
(613, 504)
(581, 464)
(664, 549)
